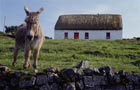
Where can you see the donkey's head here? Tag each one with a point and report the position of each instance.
(32, 21)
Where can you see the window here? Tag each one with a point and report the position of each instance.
(66, 35)
(108, 35)
(86, 35)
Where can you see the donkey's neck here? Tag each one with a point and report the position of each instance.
(38, 30)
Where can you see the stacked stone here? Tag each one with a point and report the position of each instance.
(80, 77)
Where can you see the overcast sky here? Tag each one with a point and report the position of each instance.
(15, 15)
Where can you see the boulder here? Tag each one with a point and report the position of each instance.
(79, 85)
(99, 80)
(68, 75)
(88, 81)
(55, 86)
(82, 64)
(14, 82)
(70, 86)
(116, 79)
(27, 83)
(51, 70)
(137, 87)
(130, 86)
(96, 71)
(53, 78)
(4, 68)
(3, 83)
(93, 81)
(88, 72)
(134, 78)
(45, 87)
(107, 70)
(41, 80)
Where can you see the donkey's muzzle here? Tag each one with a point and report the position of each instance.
(30, 37)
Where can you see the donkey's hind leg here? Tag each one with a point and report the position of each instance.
(15, 56)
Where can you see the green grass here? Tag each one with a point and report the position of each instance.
(121, 54)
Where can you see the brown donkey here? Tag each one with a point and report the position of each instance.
(30, 37)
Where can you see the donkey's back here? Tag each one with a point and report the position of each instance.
(20, 36)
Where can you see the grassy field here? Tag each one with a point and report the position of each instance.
(121, 54)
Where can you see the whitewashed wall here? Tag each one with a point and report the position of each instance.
(93, 34)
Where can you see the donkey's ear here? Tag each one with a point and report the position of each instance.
(26, 10)
(40, 10)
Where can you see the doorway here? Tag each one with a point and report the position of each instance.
(76, 35)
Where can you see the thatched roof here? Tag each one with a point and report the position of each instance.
(89, 22)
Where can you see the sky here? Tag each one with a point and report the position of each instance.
(14, 12)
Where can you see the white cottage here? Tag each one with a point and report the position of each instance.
(91, 27)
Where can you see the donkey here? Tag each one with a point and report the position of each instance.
(30, 37)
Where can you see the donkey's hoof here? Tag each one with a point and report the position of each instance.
(35, 71)
(14, 64)
(34, 66)
(25, 66)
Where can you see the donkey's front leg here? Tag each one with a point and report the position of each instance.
(27, 58)
(35, 57)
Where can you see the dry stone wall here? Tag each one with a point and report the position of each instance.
(77, 78)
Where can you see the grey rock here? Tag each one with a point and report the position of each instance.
(3, 83)
(79, 85)
(88, 81)
(15, 77)
(92, 81)
(106, 70)
(14, 82)
(137, 87)
(83, 64)
(70, 86)
(99, 80)
(41, 80)
(7, 88)
(130, 86)
(96, 71)
(133, 78)
(117, 87)
(52, 78)
(102, 72)
(55, 86)
(120, 87)
(18, 74)
(116, 79)
(100, 88)
(79, 71)
(122, 73)
(51, 69)
(95, 88)
(45, 87)
(4, 68)
(110, 79)
(68, 74)
(88, 72)
(89, 88)
(27, 83)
